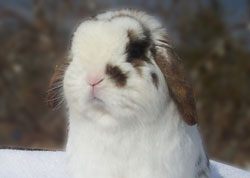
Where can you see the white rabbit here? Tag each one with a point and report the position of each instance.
(130, 105)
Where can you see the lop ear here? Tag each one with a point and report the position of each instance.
(55, 93)
(179, 86)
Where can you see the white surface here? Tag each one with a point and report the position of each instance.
(48, 164)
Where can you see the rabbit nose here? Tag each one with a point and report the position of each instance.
(94, 78)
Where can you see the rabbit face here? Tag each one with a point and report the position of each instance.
(123, 66)
(113, 71)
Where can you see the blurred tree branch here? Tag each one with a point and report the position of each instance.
(6, 12)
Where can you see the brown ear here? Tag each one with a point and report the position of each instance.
(180, 89)
(54, 93)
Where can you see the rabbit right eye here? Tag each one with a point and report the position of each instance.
(136, 50)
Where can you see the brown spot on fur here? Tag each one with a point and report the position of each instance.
(136, 50)
(116, 74)
(179, 86)
(155, 79)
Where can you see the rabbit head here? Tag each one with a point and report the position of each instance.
(122, 65)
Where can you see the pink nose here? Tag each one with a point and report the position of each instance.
(94, 78)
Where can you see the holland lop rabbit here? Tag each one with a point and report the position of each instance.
(130, 105)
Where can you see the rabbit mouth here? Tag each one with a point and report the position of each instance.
(96, 100)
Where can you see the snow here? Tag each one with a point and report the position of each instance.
(52, 164)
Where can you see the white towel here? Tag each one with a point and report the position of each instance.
(49, 164)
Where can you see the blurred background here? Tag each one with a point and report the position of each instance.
(211, 36)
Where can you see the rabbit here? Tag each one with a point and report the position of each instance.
(129, 101)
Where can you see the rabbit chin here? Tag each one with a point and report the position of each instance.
(107, 114)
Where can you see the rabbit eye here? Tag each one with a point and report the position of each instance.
(136, 50)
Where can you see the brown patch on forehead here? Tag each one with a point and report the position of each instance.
(155, 79)
(136, 50)
(116, 74)
(137, 46)
(179, 86)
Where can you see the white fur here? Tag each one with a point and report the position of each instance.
(136, 131)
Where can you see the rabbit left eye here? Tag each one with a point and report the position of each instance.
(136, 50)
